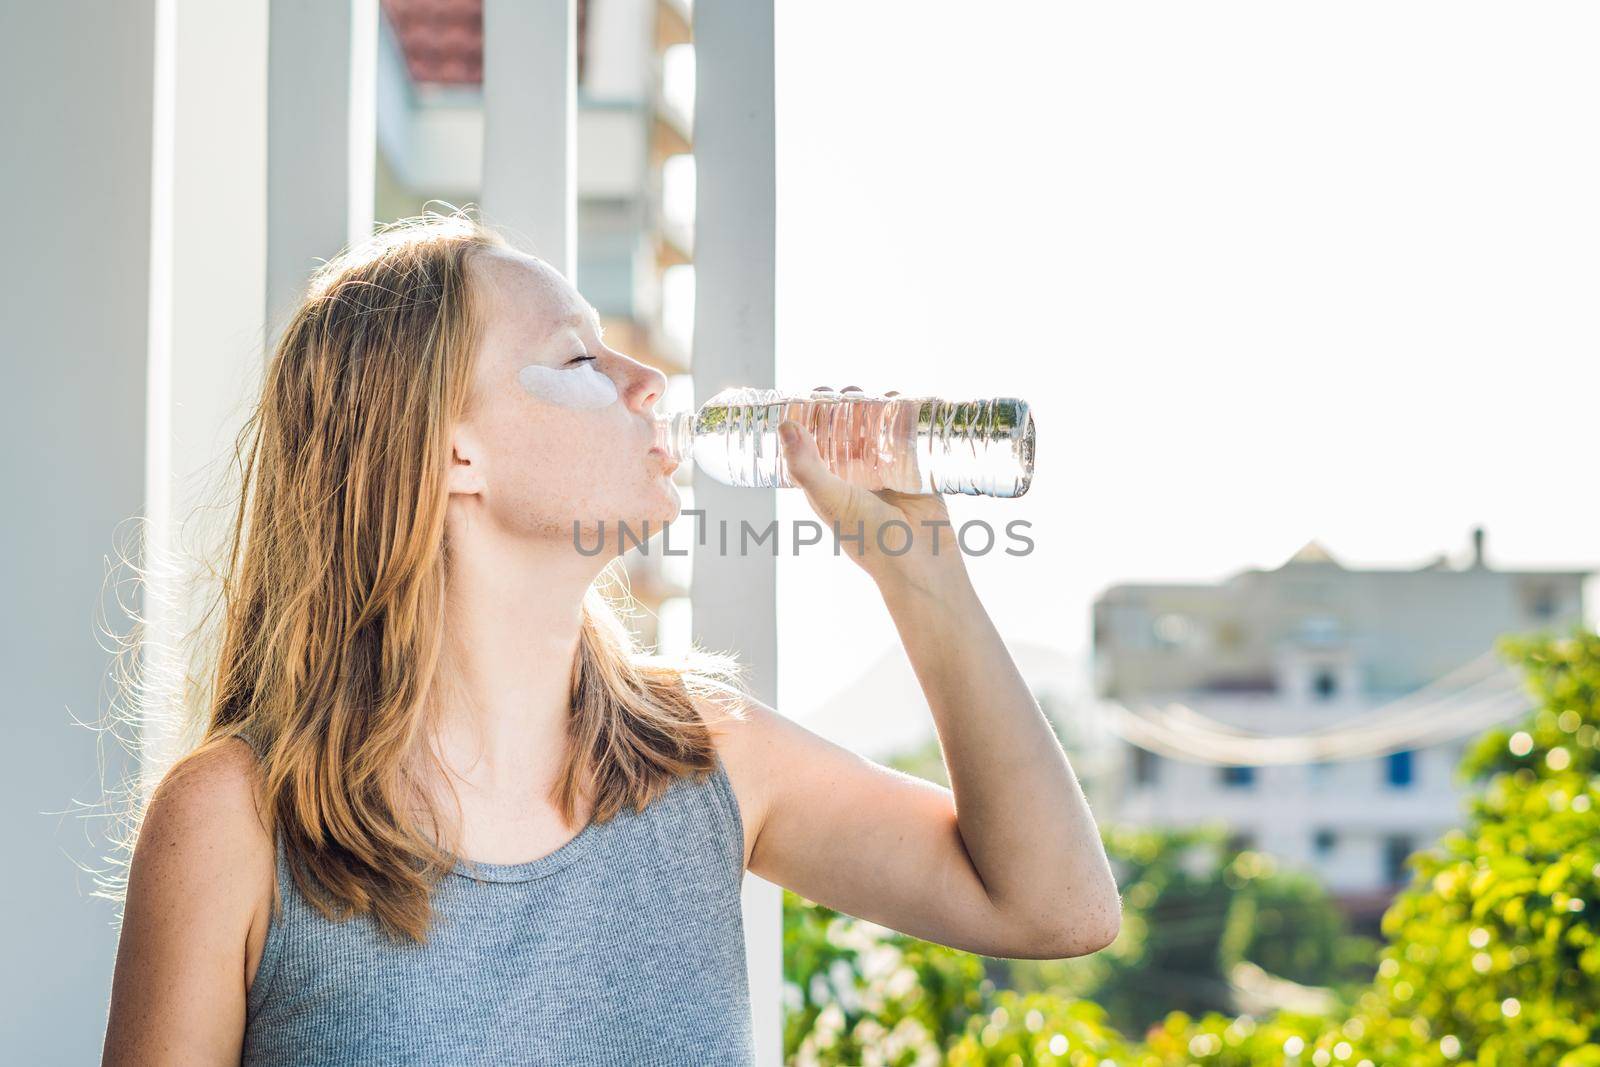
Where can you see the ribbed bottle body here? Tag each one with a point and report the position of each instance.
(907, 444)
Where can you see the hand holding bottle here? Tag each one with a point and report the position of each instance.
(887, 521)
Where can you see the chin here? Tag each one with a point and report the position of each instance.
(666, 504)
(668, 512)
(643, 513)
(653, 514)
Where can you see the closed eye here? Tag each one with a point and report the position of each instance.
(581, 359)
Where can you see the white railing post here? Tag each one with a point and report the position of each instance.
(734, 595)
(207, 310)
(530, 78)
(321, 140)
(132, 323)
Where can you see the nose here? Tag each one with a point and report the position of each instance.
(645, 385)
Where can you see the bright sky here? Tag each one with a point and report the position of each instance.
(1266, 273)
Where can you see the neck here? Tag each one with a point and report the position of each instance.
(513, 616)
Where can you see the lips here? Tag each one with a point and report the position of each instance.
(666, 460)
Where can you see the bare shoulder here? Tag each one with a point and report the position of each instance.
(742, 728)
(774, 761)
(214, 807)
(208, 803)
(199, 894)
(856, 836)
(204, 833)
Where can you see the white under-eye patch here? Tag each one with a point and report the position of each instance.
(581, 387)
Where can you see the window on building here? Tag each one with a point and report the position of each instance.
(677, 308)
(677, 196)
(1323, 842)
(1238, 777)
(1146, 767)
(1173, 630)
(1325, 684)
(1230, 635)
(1396, 849)
(1399, 770)
(1320, 630)
(678, 82)
(1543, 602)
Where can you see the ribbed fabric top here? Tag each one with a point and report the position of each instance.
(625, 945)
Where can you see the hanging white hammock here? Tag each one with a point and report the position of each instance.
(1481, 693)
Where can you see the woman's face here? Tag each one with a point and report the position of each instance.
(560, 428)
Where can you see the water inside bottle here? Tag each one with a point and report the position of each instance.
(906, 444)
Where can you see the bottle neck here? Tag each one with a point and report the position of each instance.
(674, 434)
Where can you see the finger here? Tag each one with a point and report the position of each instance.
(826, 490)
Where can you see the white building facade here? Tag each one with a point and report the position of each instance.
(1306, 649)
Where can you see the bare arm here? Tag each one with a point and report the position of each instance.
(198, 891)
(1008, 862)
(1023, 816)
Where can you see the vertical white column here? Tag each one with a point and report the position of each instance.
(207, 305)
(734, 596)
(321, 140)
(79, 81)
(530, 92)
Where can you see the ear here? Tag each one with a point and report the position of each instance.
(468, 462)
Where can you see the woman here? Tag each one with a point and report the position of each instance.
(443, 812)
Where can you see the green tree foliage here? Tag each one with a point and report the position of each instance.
(1495, 943)
(858, 993)
(1491, 953)
(1193, 909)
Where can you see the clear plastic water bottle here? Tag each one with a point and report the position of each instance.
(911, 444)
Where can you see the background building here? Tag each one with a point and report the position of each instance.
(1313, 647)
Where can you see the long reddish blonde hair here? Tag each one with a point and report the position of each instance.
(323, 641)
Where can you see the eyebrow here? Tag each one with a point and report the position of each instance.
(574, 321)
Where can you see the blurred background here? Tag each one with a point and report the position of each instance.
(1302, 299)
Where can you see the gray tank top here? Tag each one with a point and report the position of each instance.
(625, 945)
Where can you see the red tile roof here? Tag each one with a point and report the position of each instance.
(443, 39)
